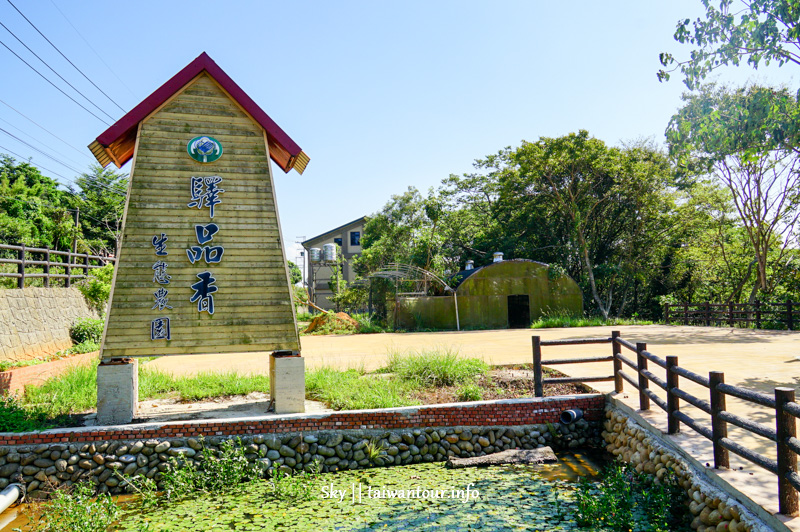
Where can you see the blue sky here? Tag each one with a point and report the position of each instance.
(381, 95)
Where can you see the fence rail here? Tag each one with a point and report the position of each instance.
(71, 265)
(757, 313)
(784, 434)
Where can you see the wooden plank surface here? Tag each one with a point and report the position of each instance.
(253, 303)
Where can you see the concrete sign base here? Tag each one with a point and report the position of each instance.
(117, 391)
(287, 383)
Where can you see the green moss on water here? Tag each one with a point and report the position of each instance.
(509, 499)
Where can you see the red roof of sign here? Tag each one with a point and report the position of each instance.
(116, 143)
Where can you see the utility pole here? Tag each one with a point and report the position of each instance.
(299, 240)
(75, 231)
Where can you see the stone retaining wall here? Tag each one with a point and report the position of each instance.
(36, 321)
(713, 510)
(340, 440)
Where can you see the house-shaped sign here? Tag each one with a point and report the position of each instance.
(201, 268)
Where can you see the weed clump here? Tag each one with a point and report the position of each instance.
(443, 367)
(626, 500)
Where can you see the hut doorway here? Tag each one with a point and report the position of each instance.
(519, 312)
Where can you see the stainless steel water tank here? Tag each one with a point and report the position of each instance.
(314, 254)
(329, 252)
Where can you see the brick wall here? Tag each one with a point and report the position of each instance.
(510, 412)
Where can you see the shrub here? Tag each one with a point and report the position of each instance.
(627, 500)
(75, 510)
(87, 330)
(226, 469)
(97, 287)
(442, 367)
(469, 392)
(15, 418)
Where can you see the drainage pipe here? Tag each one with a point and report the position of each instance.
(13, 493)
(570, 416)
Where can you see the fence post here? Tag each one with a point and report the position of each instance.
(787, 460)
(68, 271)
(616, 350)
(21, 267)
(758, 314)
(644, 384)
(538, 389)
(708, 314)
(719, 428)
(790, 320)
(686, 313)
(730, 313)
(86, 265)
(46, 268)
(666, 313)
(673, 403)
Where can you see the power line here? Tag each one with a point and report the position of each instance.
(89, 179)
(46, 130)
(54, 72)
(37, 140)
(64, 56)
(31, 146)
(92, 48)
(53, 84)
(37, 165)
(65, 165)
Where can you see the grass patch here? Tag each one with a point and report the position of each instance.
(557, 321)
(441, 367)
(72, 392)
(368, 325)
(155, 384)
(76, 391)
(353, 389)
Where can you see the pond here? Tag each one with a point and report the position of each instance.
(413, 497)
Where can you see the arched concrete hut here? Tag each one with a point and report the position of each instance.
(509, 293)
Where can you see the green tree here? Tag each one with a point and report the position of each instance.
(739, 137)
(102, 194)
(753, 31)
(295, 275)
(32, 209)
(614, 203)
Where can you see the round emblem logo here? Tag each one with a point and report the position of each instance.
(204, 149)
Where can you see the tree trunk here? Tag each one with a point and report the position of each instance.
(584, 248)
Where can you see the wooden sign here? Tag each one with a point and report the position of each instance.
(201, 268)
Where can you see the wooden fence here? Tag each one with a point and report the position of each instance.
(49, 264)
(758, 313)
(784, 434)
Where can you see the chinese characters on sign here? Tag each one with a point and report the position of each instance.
(159, 327)
(205, 193)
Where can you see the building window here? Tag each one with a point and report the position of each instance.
(355, 238)
(337, 241)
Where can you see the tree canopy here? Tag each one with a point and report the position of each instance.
(750, 31)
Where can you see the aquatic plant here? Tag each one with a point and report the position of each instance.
(73, 510)
(626, 500)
